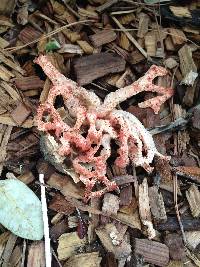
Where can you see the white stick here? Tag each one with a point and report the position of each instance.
(45, 221)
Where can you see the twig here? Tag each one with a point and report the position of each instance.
(123, 12)
(145, 4)
(46, 224)
(131, 38)
(107, 4)
(12, 49)
(23, 253)
(100, 87)
(71, 10)
(193, 257)
(56, 258)
(177, 210)
(177, 125)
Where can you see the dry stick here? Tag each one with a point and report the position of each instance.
(123, 12)
(56, 258)
(193, 257)
(177, 210)
(100, 87)
(107, 4)
(12, 49)
(144, 4)
(45, 221)
(131, 38)
(72, 10)
(23, 253)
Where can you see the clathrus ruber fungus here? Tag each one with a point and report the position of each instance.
(88, 141)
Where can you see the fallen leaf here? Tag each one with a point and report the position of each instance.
(68, 244)
(20, 210)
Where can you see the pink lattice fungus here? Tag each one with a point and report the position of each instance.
(88, 142)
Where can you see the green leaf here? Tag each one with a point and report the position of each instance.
(20, 210)
(52, 45)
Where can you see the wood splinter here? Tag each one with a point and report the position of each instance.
(144, 209)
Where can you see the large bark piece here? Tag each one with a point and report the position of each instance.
(91, 67)
(152, 252)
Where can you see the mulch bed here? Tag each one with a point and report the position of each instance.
(152, 219)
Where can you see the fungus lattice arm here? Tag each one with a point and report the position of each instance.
(145, 83)
(90, 98)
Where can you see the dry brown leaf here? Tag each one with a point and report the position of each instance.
(68, 244)
(84, 260)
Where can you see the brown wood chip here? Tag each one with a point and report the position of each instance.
(126, 195)
(152, 252)
(102, 37)
(28, 83)
(91, 67)
(60, 204)
(58, 229)
(8, 250)
(36, 255)
(66, 186)
(29, 34)
(176, 246)
(178, 37)
(20, 113)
